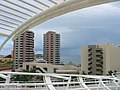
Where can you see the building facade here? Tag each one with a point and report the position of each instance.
(51, 52)
(44, 67)
(99, 59)
(23, 49)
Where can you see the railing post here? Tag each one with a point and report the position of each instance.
(115, 82)
(8, 78)
(68, 83)
(49, 83)
(101, 82)
(7, 81)
(83, 83)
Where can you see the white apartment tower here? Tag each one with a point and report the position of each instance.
(23, 49)
(51, 51)
(99, 59)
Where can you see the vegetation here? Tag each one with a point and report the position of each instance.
(6, 62)
(38, 56)
(83, 72)
(110, 72)
(27, 77)
(1, 79)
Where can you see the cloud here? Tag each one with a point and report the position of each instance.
(7, 48)
(39, 35)
(91, 25)
(116, 4)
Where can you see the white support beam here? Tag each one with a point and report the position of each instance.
(15, 10)
(105, 87)
(42, 3)
(21, 73)
(20, 6)
(53, 1)
(68, 83)
(7, 25)
(8, 78)
(83, 83)
(60, 9)
(49, 83)
(115, 80)
(3, 76)
(13, 14)
(31, 5)
(57, 76)
(5, 29)
(11, 18)
(3, 34)
(9, 22)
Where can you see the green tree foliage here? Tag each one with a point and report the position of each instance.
(110, 72)
(27, 77)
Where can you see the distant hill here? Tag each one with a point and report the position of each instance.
(38, 56)
(68, 58)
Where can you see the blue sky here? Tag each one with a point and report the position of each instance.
(94, 25)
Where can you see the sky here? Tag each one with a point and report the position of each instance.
(88, 26)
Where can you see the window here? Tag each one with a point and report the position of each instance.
(45, 69)
(27, 67)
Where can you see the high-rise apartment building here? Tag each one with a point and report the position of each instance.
(23, 49)
(99, 59)
(51, 51)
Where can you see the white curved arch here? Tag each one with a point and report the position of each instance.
(59, 7)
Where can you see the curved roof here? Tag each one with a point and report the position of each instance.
(17, 16)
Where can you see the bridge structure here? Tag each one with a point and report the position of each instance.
(59, 82)
(17, 16)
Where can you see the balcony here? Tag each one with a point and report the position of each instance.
(90, 49)
(99, 65)
(90, 72)
(99, 61)
(89, 64)
(90, 54)
(99, 57)
(89, 68)
(89, 59)
(99, 53)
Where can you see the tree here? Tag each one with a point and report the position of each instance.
(27, 77)
(83, 72)
(110, 72)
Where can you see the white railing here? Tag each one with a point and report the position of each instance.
(59, 82)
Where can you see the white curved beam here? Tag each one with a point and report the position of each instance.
(42, 3)
(8, 12)
(3, 76)
(15, 10)
(4, 20)
(53, 1)
(57, 10)
(11, 18)
(6, 25)
(20, 6)
(3, 34)
(31, 5)
(5, 29)
(54, 11)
